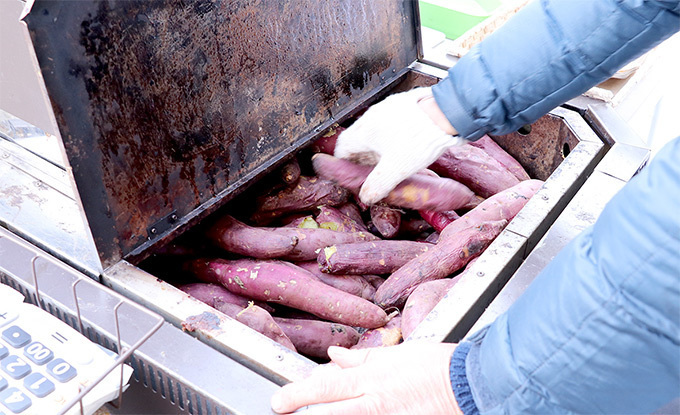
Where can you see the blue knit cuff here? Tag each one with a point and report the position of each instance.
(459, 381)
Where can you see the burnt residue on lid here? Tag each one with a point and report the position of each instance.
(165, 106)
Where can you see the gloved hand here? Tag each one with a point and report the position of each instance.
(400, 136)
(411, 378)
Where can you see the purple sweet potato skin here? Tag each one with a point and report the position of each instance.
(326, 143)
(211, 294)
(257, 319)
(460, 242)
(421, 301)
(375, 257)
(474, 168)
(419, 191)
(290, 172)
(389, 335)
(311, 240)
(386, 219)
(284, 283)
(451, 253)
(333, 219)
(305, 195)
(314, 337)
(352, 210)
(492, 148)
(439, 220)
(237, 237)
(353, 284)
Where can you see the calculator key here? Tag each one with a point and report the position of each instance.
(15, 400)
(3, 383)
(38, 353)
(61, 370)
(4, 351)
(15, 367)
(16, 337)
(38, 385)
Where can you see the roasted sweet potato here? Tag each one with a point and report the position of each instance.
(303, 222)
(305, 195)
(257, 319)
(451, 253)
(389, 335)
(237, 237)
(290, 172)
(353, 284)
(212, 294)
(326, 143)
(314, 337)
(310, 241)
(474, 168)
(352, 210)
(421, 301)
(419, 191)
(333, 219)
(458, 243)
(375, 257)
(386, 219)
(284, 283)
(494, 150)
(439, 220)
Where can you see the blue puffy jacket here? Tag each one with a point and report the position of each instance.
(598, 331)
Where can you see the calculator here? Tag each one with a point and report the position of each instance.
(44, 363)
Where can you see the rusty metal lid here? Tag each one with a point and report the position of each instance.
(166, 108)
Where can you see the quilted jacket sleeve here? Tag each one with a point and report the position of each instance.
(550, 52)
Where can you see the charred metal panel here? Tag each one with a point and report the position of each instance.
(163, 105)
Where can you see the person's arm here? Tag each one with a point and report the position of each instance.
(599, 329)
(548, 53)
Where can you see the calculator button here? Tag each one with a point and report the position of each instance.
(38, 385)
(15, 367)
(3, 383)
(4, 351)
(15, 400)
(61, 370)
(16, 337)
(38, 353)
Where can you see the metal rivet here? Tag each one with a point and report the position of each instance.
(173, 217)
(480, 273)
(153, 231)
(544, 197)
(279, 357)
(5, 155)
(394, 70)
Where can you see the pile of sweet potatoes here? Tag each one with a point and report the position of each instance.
(310, 266)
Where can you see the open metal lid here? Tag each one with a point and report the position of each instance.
(166, 108)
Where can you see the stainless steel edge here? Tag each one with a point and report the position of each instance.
(193, 375)
(225, 334)
(607, 122)
(580, 213)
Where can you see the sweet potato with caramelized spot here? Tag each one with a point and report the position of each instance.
(290, 172)
(305, 195)
(375, 257)
(451, 253)
(386, 219)
(474, 168)
(419, 191)
(237, 237)
(314, 337)
(389, 335)
(353, 284)
(326, 143)
(284, 283)
(492, 148)
(310, 241)
(421, 301)
(333, 219)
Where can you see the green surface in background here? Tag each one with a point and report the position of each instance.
(450, 20)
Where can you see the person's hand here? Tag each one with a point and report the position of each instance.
(403, 134)
(411, 378)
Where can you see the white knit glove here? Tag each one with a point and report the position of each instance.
(397, 135)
